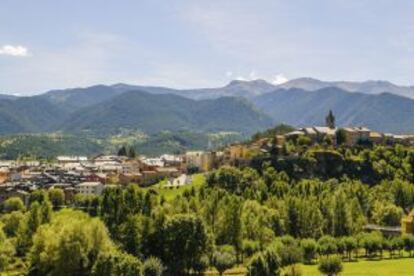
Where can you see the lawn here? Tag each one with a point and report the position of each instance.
(400, 267)
(170, 193)
(403, 267)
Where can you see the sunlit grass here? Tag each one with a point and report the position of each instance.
(170, 193)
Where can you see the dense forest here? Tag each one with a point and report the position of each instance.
(49, 145)
(260, 218)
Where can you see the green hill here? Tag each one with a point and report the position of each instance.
(153, 113)
(384, 112)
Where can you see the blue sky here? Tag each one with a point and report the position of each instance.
(48, 44)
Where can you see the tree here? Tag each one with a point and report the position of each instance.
(131, 234)
(185, 241)
(131, 153)
(39, 196)
(266, 263)
(6, 251)
(258, 266)
(116, 263)
(201, 265)
(327, 245)
(341, 218)
(46, 212)
(330, 120)
(13, 204)
(304, 141)
(387, 214)
(250, 247)
(397, 243)
(11, 222)
(152, 267)
(122, 151)
(409, 243)
(57, 198)
(223, 261)
(69, 245)
(309, 248)
(350, 244)
(288, 249)
(340, 136)
(331, 265)
(372, 243)
(27, 228)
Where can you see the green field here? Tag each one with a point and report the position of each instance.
(403, 267)
(170, 193)
(400, 267)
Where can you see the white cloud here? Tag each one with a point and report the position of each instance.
(16, 51)
(229, 74)
(252, 75)
(279, 79)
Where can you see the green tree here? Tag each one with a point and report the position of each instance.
(39, 196)
(46, 212)
(6, 251)
(266, 263)
(185, 241)
(331, 265)
(69, 245)
(201, 265)
(409, 243)
(327, 245)
(304, 141)
(13, 204)
(57, 198)
(341, 218)
(11, 222)
(387, 214)
(309, 248)
(116, 263)
(152, 267)
(223, 261)
(27, 228)
(122, 151)
(340, 135)
(350, 244)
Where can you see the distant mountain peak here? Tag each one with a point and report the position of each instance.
(366, 87)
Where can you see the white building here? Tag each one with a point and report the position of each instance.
(63, 159)
(179, 181)
(90, 188)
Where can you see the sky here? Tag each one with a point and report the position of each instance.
(49, 44)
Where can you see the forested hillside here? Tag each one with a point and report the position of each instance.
(303, 108)
(153, 113)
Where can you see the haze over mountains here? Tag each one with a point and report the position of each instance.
(241, 106)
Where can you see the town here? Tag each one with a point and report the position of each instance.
(90, 176)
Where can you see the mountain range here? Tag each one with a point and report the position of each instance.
(240, 106)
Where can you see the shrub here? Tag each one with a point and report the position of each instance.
(250, 247)
(13, 204)
(309, 248)
(267, 263)
(330, 265)
(152, 267)
(223, 261)
(201, 264)
(327, 245)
